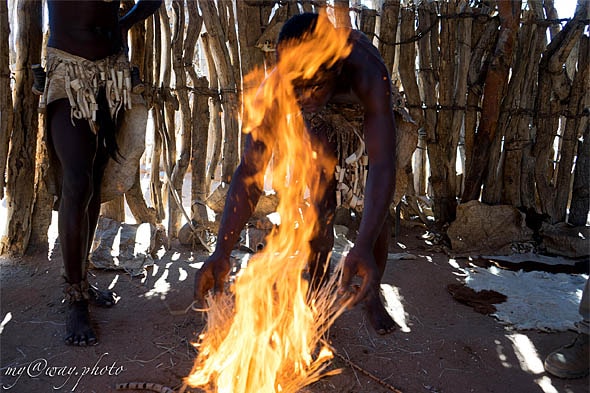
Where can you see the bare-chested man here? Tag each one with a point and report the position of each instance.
(361, 79)
(86, 89)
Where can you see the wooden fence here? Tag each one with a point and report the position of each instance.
(499, 89)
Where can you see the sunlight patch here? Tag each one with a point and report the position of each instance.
(501, 355)
(114, 282)
(196, 265)
(6, 319)
(182, 274)
(527, 355)
(546, 385)
(161, 286)
(454, 263)
(52, 234)
(394, 306)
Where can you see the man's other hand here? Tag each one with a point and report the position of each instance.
(359, 263)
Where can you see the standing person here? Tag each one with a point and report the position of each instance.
(573, 360)
(359, 81)
(86, 90)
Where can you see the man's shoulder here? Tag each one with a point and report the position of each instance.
(364, 70)
(357, 35)
(364, 57)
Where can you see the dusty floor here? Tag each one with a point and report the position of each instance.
(441, 345)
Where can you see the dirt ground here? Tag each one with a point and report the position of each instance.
(441, 346)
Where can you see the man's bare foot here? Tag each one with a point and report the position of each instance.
(79, 332)
(378, 315)
(101, 298)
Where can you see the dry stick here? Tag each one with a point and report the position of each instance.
(192, 306)
(355, 374)
(168, 350)
(366, 373)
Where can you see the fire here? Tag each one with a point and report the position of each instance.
(266, 335)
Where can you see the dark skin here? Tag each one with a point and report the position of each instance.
(92, 30)
(360, 78)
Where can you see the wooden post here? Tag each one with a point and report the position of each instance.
(427, 77)
(494, 90)
(407, 64)
(228, 87)
(464, 33)
(20, 188)
(6, 110)
(200, 109)
(134, 197)
(342, 13)
(407, 136)
(580, 204)
(485, 35)
(573, 126)
(442, 148)
(114, 209)
(228, 24)
(167, 128)
(180, 167)
(155, 181)
(149, 62)
(518, 183)
(200, 135)
(307, 5)
(552, 91)
(388, 32)
(141, 40)
(252, 20)
(368, 20)
(215, 127)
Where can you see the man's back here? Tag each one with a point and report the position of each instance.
(87, 29)
(364, 78)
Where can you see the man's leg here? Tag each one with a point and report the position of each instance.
(103, 298)
(376, 312)
(75, 147)
(324, 202)
(572, 360)
(323, 241)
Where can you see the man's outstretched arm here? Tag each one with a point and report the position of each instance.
(244, 192)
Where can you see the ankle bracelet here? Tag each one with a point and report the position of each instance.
(76, 292)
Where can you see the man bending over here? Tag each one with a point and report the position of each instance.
(359, 82)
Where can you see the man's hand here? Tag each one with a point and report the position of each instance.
(359, 262)
(211, 275)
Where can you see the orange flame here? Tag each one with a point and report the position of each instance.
(265, 336)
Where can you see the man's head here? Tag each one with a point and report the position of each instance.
(301, 42)
(297, 28)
